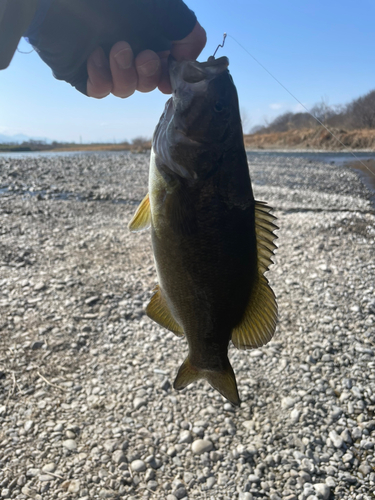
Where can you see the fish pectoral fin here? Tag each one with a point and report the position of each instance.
(159, 312)
(142, 218)
(259, 321)
(223, 381)
(181, 213)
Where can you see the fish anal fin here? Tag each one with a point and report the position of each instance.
(159, 312)
(258, 323)
(223, 381)
(142, 218)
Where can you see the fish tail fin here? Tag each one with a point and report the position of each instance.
(223, 381)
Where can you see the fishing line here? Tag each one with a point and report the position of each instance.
(299, 102)
(22, 52)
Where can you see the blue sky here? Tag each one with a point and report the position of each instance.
(317, 49)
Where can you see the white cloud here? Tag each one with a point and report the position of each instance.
(298, 108)
(276, 105)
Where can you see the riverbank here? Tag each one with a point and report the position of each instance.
(86, 404)
(35, 148)
(367, 169)
(317, 138)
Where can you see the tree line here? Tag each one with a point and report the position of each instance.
(358, 114)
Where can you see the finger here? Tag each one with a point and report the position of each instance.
(123, 71)
(148, 67)
(99, 83)
(164, 82)
(191, 46)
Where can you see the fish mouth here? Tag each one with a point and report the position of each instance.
(194, 72)
(190, 78)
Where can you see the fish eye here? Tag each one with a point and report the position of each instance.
(218, 106)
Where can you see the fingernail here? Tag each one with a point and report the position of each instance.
(124, 58)
(149, 68)
(99, 59)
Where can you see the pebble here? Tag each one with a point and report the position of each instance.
(200, 446)
(138, 403)
(346, 437)
(185, 437)
(287, 402)
(330, 482)
(249, 425)
(74, 486)
(29, 424)
(323, 490)
(45, 477)
(70, 444)
(118, 457)
(138, 466)
(210, 482)
(337, 441)
(152, 485)
(245, 496)
(32, 472)
(180, 493)
(104, 493)
(252, 478)
(295, 415)
(39, 286)
(50, 467)
(365, 469)
(29, 492)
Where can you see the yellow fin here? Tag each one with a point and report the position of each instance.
(158, 311)
(223, 381)
(142, 218)
(259, 321)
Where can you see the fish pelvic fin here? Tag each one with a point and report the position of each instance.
(142, 218)
(223, 381)
(259, 321)
(159, 312)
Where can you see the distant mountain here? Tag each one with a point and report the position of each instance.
(19, 138)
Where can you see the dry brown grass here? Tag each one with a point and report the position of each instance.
(316, 138)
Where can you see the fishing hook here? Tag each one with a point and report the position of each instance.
(220, 45)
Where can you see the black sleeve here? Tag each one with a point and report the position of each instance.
(72, 29)
(15, 16)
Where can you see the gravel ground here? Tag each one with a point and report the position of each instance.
(86, 404)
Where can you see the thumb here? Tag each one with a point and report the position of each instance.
(191, 46)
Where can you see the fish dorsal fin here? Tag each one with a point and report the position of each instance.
(159, 312)
(259, 321)
(142, 218)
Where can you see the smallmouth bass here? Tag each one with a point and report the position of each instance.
(212, 241)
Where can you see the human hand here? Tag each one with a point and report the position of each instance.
(123, 73)
(83, 42)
